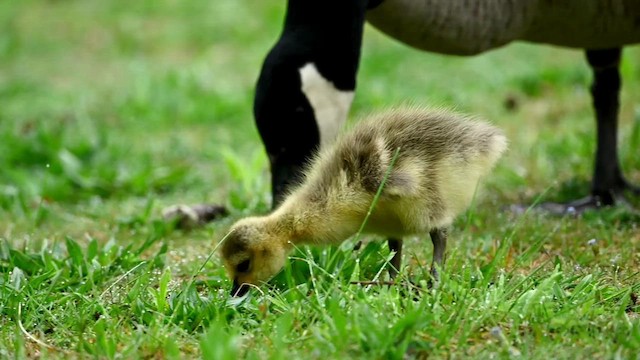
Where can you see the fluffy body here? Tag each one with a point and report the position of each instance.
(440, 158)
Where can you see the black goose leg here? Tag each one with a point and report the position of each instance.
(608, 184)
(396, 261)
(439, 239)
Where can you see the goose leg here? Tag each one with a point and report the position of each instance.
(396, 261)
(608, 185)
(608, 181)
(439, 239)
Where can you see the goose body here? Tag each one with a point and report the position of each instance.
(472, 27)
(427, 164)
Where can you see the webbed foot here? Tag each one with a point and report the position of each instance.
(624, 194)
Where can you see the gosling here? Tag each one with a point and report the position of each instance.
(427, 164)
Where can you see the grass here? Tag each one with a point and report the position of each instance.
(113, 110)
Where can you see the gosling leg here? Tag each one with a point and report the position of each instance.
(396, 261)
(439, 239)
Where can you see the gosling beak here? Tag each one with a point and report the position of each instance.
(239, 290)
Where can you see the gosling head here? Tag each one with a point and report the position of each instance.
(252, 255)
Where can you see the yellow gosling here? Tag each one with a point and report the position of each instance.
(440, 158)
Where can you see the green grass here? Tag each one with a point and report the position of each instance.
(112, 110)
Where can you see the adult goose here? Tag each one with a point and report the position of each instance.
(307, 81)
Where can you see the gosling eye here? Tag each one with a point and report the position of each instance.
(243, 266)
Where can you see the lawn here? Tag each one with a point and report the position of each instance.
(112, 110)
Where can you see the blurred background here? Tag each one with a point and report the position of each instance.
(111, 110)
(104, 103)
